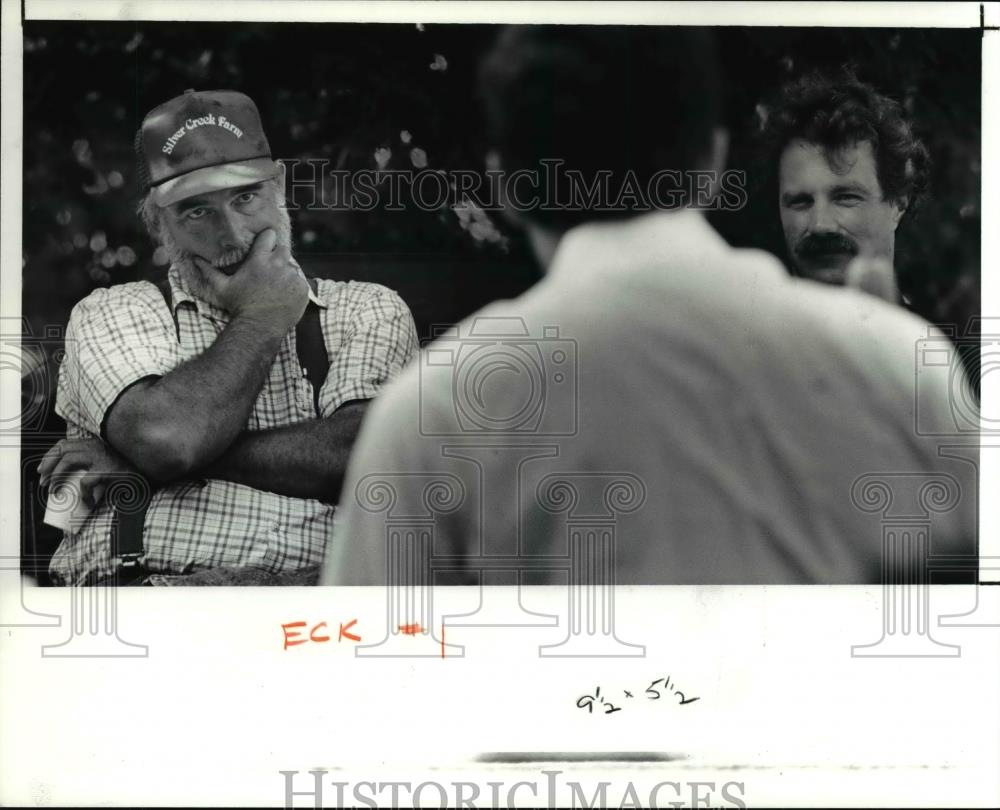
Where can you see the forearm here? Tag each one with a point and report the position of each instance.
(307, 460)
(193, 413)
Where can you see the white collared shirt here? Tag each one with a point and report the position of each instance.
(685, 406)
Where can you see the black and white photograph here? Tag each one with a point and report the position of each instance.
(565, 343)
(743, 395)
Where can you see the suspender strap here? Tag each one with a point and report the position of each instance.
(130, 517)
(312, 350)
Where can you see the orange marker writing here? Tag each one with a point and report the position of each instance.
(344, 634)
(289, 634)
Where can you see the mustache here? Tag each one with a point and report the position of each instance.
(231, 257)
(819, 244)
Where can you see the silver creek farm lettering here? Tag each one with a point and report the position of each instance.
(193, 123)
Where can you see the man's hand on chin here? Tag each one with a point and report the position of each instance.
(268, 285)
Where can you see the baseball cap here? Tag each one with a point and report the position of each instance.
(202, 141)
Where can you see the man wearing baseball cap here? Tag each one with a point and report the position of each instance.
(237, 388)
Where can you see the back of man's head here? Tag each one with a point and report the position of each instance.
(639, 98)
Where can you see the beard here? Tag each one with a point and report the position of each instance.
(228, 262)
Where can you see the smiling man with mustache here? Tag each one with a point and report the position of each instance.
(848, 168)
(237, 388)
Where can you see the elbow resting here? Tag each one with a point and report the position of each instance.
(162, 455)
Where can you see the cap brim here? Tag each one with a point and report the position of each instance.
(215, 178)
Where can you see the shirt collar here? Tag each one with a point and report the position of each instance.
(644, 244)
(181, 294)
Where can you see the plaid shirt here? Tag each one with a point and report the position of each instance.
(123, 334)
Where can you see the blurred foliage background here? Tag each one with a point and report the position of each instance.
(403, 96)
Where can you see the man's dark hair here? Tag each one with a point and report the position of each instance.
(838, 111)
(640, 98)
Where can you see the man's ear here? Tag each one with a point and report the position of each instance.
(898, 210)
(719, 150)
(715, 158)
(495, 164)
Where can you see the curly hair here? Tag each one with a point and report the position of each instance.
(838, 111)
